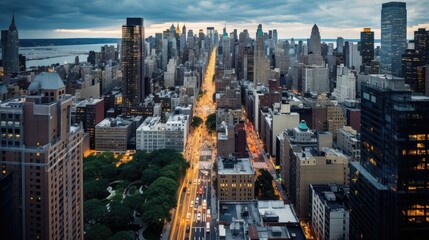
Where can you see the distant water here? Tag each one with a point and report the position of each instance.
(48, 55)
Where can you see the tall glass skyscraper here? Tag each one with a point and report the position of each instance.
(132, 57)
(389, 187)
(367, 46)
(393, 37)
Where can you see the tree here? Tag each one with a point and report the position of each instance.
(120, 216)
(98, 232)
(170, 171)
(122, 235)
(196, 121)
(95, 189)
(135, 202)
(264, 186)
(150, 174)
(95, 211)
(130, 172)
(211, 122)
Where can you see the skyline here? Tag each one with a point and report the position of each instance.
(292, 18)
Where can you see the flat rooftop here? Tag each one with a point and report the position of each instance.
(235, 166)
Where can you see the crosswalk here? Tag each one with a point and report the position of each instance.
(259, 165)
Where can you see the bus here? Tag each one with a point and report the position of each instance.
(207, 226)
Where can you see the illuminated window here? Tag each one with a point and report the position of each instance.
(372, 161)
(420, 145)
(421, 152)
(421, 137)
(404, 152)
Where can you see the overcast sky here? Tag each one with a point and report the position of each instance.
(291, 18)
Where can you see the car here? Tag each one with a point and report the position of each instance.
(192, 204)
(199, 216)
(188, 216)
(197, 200)
(195, 181)
(189, 191)
(188, 228)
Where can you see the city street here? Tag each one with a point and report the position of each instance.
(189, 220)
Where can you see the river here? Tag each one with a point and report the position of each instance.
(48, 55)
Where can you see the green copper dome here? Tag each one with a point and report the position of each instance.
(303, 126)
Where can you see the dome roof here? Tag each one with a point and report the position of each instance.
(303, 126)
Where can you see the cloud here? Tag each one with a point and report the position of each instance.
(290, 17)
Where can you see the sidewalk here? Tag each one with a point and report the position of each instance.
(167, 226)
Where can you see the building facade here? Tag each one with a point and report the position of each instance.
(367, 46)
(236, 178)
(393, 37)
(330, 215)
(388, 190)
(9, 46)
(132, 58)
(42, 153)
(90, 112)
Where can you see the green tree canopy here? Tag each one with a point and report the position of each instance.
(211, 122)
(120, 216)
(122, 235)
(95, 211)
(150, 174)
(196, 121)
(135, 202)
(264, 189)
(95, 189)
(98, 232)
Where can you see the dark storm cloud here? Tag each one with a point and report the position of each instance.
(88, 14)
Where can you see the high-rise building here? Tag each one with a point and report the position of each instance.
(315, 47)
(367, 46)
(388, 192)
(132, 57)
(9, 46)
(261, 63)
(393, 37)
(42, 152)
(90, 112)
(421, 44)
(226, 50)
(340, 45)
(413, 70)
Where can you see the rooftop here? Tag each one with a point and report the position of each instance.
(90, 101)
(232, 165)
(114, 123)
(46, 81)
(279, 208)
(151, 124)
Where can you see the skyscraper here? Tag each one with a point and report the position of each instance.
(340, 45)
(261, 63)
(315, 47)
(421, 44)
(413, 70)
(9, 45)
(132, 57)
(393, 37)
(389, 192)
(367, 46)
(42, 153)
(226, 50)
